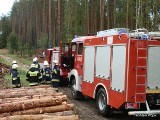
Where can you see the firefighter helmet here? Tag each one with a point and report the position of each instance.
(45, 62)
(35, 59)
(14, 62)
(55, 61)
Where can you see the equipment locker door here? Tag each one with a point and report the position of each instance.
(89, 64)
(118, 67)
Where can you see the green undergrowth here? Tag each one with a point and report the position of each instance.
(24, 60)
(8, 76)
(21, 59)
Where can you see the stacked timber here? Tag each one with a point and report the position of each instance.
(5, 67)
(35, 103)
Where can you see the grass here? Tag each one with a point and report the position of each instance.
(8, 76)
(26, 61)
(21, 59)
(22, 78)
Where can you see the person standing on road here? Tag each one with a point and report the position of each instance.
(46, 73)
(55, 75)
(33, 76)
(15, 76)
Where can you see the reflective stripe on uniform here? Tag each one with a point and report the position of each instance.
(54, 71)
(40, 77)
(48, 82)
(35, 83)
(15, 78)
(47, 75)
(15, 85)
(55, 88)
(33, 73)
(36, 66)
(55, 80)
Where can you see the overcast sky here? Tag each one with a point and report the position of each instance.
(5, 6)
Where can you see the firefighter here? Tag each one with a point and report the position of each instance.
(33, 76)
(55, 75)
(15, 76)
(13, 62)
(35, 61)
(46, 73)
(37, 66)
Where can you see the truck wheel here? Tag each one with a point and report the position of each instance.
(76, 95)
(101, 101)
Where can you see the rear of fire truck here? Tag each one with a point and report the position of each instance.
(144, 78)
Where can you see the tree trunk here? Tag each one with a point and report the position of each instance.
(44, 17)
(58, 23)
(127, 14)
(49, 25)
(102, 14)
(40, 117)
(30, 104)
(108, 15)
(114, 14)
(155, 15)
(42, 110)
(26, 97)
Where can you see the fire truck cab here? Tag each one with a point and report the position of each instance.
(117, 71)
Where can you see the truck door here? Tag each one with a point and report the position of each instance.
(64, 60)
(65, 54)
(73, 53)
(78, 58)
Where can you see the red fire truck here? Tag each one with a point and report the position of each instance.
(118, 71)
(54, 54)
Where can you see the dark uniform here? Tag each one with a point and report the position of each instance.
(37, 66)
(46, 75)
(11, 68)
(55, 77)
(33, 76)
(15, 78)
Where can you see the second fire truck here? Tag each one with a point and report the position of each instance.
(118, 71)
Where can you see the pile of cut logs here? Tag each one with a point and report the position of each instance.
(35, 103)
(5, 69)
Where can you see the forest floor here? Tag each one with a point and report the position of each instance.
(86, 109)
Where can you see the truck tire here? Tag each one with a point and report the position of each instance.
(76, 95)
(101, 102)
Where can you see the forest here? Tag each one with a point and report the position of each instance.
(39, 24)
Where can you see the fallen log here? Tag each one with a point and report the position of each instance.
(39, 86)
(21, 99)
(19, 90)
(72, 117)
(40, 117)
(42, 110)
(29, 104)
(14, 95)
(63, 113)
